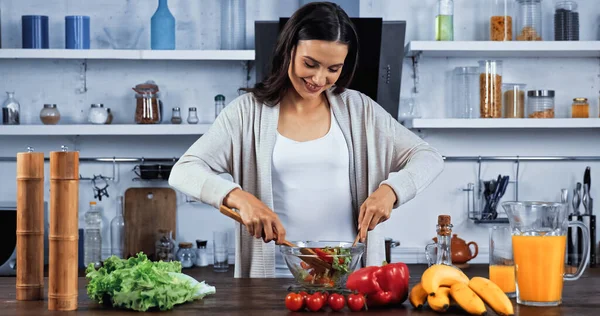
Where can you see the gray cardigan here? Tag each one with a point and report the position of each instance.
(240, 143)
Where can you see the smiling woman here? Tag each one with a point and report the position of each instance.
(310, 159)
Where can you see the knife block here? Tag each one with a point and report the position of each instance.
(575, 244)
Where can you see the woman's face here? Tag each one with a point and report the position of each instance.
(316, 66)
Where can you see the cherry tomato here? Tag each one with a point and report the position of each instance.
(315, 302)
(325, 296)
(356, 302)
(336, 302)
(294, 302)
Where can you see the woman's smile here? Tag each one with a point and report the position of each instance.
(312, 88)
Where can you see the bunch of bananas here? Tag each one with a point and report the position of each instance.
(442, 286)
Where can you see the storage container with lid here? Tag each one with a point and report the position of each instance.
(513, 99)
(186, 254)
(465, 92)
(540, 104)
(148, 107)
(490, 88)
(566, 21)
(192, 116)
(219, 104)
(97, 114)
(529, 20)
(176, 118)
(501, 20)
(49, 115)
(580, 108)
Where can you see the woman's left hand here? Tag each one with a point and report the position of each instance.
(376, 209)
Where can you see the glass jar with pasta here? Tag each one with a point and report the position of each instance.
(490, 88)
(540, 104)
(501, 20)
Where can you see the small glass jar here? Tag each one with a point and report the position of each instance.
(566, 21)
(201, 255)
(514, 100)
(501, 21)
(192, 116)
(465, 88)
(444, 21)
(164, 248)
(186, 255)
(97, 114)
(219, 104)
(490, 88)
(540, 103)
(49, 115)
(529, 20)
(176, 117)
(580, 108)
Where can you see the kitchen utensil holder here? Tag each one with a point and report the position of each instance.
(475, 200)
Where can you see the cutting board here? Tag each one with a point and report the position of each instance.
(146, 211)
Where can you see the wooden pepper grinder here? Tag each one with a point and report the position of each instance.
(30, 225)
(64, 230)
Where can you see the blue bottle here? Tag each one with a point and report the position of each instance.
(162, 33)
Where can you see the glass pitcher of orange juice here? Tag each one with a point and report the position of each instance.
(539, 241)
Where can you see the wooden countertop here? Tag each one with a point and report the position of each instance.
(266, 297)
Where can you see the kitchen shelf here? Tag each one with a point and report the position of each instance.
(494, 49)
(103, 130)
(117, 54)
(502, 123)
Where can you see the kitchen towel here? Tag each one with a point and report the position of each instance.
(77, 32)
(34, 31)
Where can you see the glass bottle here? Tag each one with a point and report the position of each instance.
(186, 255)
(11, 116)
(233, 24)
(176, 117)
(490, 88)
(162, 33)
(443, 244)
(117, 231)
(201, 255)
(501, 21)
(566, 21)
(466, 92)
(444, 21)
(192, 116)
(529, 20)
(93, 236)
(110, 116)
(219, 104)
(49, 115)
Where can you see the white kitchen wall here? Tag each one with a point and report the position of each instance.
(187, 84)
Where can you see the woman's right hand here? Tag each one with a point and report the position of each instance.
(260, 221)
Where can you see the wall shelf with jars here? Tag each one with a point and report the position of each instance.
(504, 49)
(124, 54)
(502, 123)
(103, 130)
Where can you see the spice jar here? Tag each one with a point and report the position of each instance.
(49, 115)
(529, 20)
(164, 248)
(566, 21)
(514, 100)
(176, 117)
(540, 103)
(97, 114)
(110, 116)
(219, 104)
(501, 20)
(186, 255)
(201, 255)
(490, 88)
(148, 107)
(192, 116)
(580, 108)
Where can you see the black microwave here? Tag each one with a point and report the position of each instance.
(8, 235)
(381, 47)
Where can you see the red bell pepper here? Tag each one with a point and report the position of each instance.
(385, 285)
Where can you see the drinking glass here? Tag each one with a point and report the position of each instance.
(220, 251)
(539, 239)
(502, 266)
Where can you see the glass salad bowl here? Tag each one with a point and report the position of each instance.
(342, 257)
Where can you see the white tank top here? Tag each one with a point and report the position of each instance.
(311, 187)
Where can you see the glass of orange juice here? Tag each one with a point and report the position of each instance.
(502, 265)
(539, 240)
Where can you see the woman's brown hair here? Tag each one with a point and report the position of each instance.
(314, 21)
